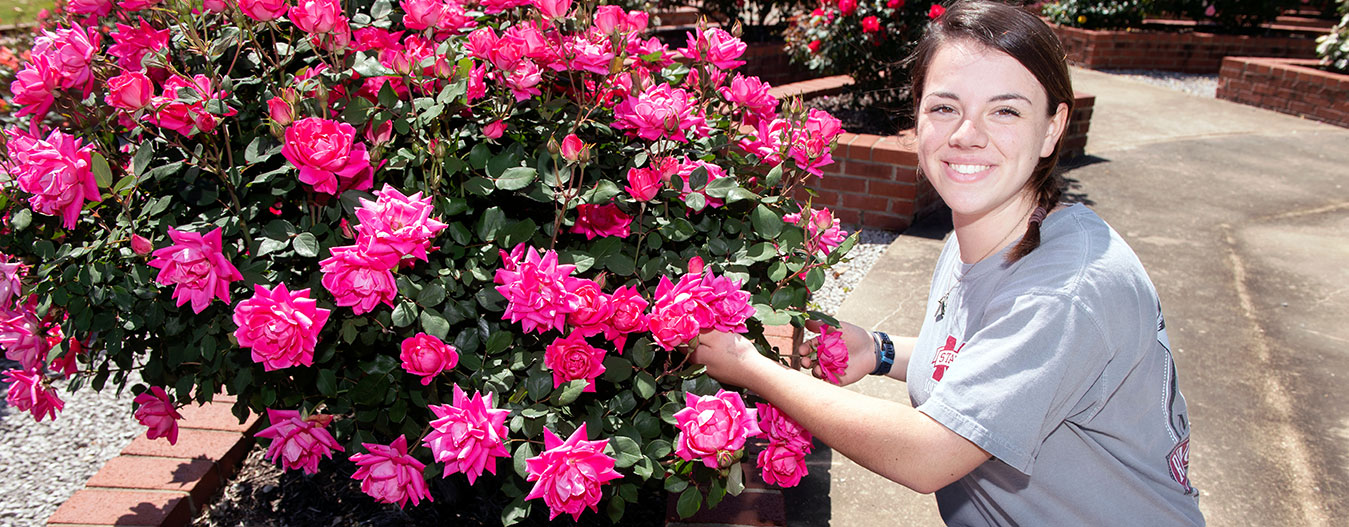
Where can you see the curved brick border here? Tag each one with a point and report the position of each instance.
(874, 179)
(1291, 86)
(156, 484)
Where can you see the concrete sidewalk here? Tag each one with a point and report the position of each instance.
(1241, 217)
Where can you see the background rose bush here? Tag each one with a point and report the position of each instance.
(377, 225)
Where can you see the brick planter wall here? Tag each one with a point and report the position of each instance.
(1182, 52)
(874, 179)
(1291, 86)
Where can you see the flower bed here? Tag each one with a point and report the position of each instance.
(1189, 52)
(1291, 86)
(874, 181)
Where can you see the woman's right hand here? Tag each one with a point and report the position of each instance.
(861, 352)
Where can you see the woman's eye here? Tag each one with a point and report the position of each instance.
(1011, 112)
(941, 108)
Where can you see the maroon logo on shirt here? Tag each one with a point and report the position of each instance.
(944, 357)
(1179, 461)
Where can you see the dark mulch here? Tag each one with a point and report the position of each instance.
(864, 113)
(261, 494)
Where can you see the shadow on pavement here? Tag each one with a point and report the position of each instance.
(808, 503)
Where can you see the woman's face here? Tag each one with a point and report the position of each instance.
(983, 125)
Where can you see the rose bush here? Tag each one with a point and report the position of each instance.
(353, 220)
(868, 39)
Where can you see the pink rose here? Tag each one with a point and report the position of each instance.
(645, 183)
(264, 10)
(390, 475)
(811, 144)
(298, 442)
(935, 11)
(781, 428)
(751, 94)
(572, 358)
(493, 7)
(427, 356)
(717, 46)
(70, 52)
(158, 413)
(89, 7)
(397, 224)
(34, 89)
(871, 24)
(593, 312)
(680, 311)
(469, 435)
(281, 327)
(214, 6)
(730, 305)
(22, 337)
(847, 7)
(713, 427)
(894, 4)
(28, 393)
(327, 155)
(494, 129)
(317, 16)
(422, 14)
(598, 221)
(831, 352)
(568, 474)
(130, 91)
(823, 233)
(660, 111)
(538, 291)
(629, 316)
(137, 5)
(141, 245)
(56, 171)
(553, 9)
(132, 43)
(358, 279)
(196, 266)
(11, 281)
(572, 147)
(185, 117)
(280, 111)
(782, 465)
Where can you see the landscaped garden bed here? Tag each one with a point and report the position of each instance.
(1176, 48)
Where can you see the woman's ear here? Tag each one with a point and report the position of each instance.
(1057, 124)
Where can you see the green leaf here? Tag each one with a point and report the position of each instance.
(478, 157)
(306, 245)
(675, 484)
(815, 279)
(327, 383)
(571, 391)
(367, 64)
(498, 342)
(762, 251)
(695, 201)
(404, 314)
(679, 229)
(380, 365)
(720, 187)
(269, 245)
(262, 148)
(602, 192)
(659, 448)
(21, 219)
(539, 384)
(143, 156)
(643, 353)
(492, 221)
(627, 451)
(435, 324)
(774, 176)
(431, 295)
(516, 178)
(381, 9)
(738, 194)
(102, 174)
(766, 222)
(735, 482)
(689, 502)
(522, 452)
(616, 509)
(777, 271)
(644, 385)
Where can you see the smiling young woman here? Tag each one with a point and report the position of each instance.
(1042, 383)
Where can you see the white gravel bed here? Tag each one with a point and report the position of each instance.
(1203, 85)
(43, 464)
(843, 277)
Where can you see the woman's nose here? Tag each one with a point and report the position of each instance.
(969, 134)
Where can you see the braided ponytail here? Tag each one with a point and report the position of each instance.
(1047, 195)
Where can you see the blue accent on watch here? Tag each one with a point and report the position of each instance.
(885, 353)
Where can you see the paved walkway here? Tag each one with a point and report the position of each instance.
(1241, 217)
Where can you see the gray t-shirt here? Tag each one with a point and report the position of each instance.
(1059, 366)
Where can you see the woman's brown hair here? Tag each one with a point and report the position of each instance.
(1027, 39)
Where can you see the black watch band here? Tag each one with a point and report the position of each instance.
(885, 353)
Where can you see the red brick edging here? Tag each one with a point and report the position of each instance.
(1291, 86)
(155, 484)
(1172, 51)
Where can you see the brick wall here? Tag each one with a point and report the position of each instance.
(874, 179)
(1183, 52)
(1290, 86)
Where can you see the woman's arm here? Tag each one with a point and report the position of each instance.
(887, 437)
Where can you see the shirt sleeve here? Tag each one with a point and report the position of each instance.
(1020, 375)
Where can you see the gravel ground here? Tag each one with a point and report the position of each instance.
(42, 464)
(1203, 85)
